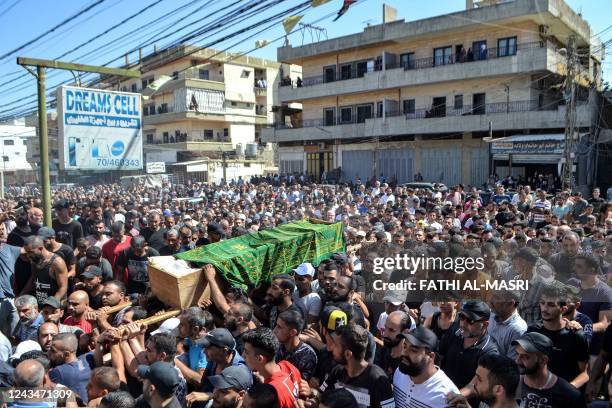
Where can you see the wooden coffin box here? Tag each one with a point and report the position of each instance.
(179, 289)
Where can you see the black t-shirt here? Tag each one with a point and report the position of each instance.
(166, 251)
(17, 237)
(371, 388)
(607, 343)
(560, 395)
(95, 301)
(460, 363)
(73, 231)
(105, 266)
(274, 314)
(155, 239)
(67, 254)
(571, 347)
(137, 267)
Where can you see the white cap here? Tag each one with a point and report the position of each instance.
(268, 214)
(242, 217)
(24, 347)
(305, 269)
(169, 326)
(186, 217)
(361, 233)
(120, 217)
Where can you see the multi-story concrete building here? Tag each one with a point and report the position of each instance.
(402, 98)
(14, 139)
(205, 103)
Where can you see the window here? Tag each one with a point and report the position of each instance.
(234, 103)
(379, 109)
(166, 137)
(506, 46)
(175, 75)
(226, 132)
(458, 101)
(208, 134)
(5, 158)
(134, 87)
(345, 71)
(25, 142)
(407, 60)
(329, 117)
(362, 68)
(346, 114)
(9, 142)
(163, 108)
(245, 73)
(149, 138)
(479, 104)
(443, 56)
(329, 74)
(151, 109)
(204, 74)
(17, 153)
(479, 48)
(408, 106)
(146, 82)
(364, 112)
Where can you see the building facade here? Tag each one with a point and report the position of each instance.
(402, 98)
(15, 137)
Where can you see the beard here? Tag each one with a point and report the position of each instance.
(274, 301)
(231, 325)
(389, 344)
(487, 398)
(225, 404)
(411, 369)
(341, 360)
(529, 371)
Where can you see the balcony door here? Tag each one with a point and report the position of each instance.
(443, 56)
(329, 117)
(329, 74)
(364, 112)
(438, 108)
(479, 104)
(362, 68)
(480, 52)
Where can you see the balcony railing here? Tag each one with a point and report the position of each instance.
(420, 63)
(431, 112)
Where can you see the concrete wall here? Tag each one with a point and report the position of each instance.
(242, 134)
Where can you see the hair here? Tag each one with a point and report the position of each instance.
(117, 227)
(138, 242)
(33, 378)
(106, 378)
(139, 312)
(118, 284)
(591, 261)
(338, 398)
(210, 320)
(24, 300)
(118, 399)
(82, 241)
(171, 232)
(555, 290)
(195, 317)
(69, 340)
(263, 340)
(502, 371)
(354, 338)
(528, 255)
(245, 311)
(164, 343)
(34, 241)
(352, 283)
(264, 396)
(293, 319)
(37, 355)
(286, 282)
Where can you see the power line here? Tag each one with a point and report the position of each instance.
(6, 10)
(63, 22)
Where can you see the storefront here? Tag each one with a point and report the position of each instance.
(525, 156)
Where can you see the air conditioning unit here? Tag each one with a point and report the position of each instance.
(321, 145)
(543, 29)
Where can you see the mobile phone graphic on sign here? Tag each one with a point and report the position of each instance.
(95, 148)
(72, 160)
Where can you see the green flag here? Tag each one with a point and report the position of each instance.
(249, 259)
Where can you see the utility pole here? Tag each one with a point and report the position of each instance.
(570, 114)
(43, 136)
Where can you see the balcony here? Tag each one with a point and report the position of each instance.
(516, 115)
(196, 142)
(528, 57)
(168, 114)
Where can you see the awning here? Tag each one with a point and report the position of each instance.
(528, 138)
(529, 158)
(529, 144)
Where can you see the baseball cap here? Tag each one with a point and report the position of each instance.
(361, 233)
(119, 217)
(186, 217)
(92, 272)
(237, 377)
(46, 232)
(167, 213)
(422, 337)
(305, 269)
(476, 310)
(396, 298)
(61, 204)
(218, 337)
(340, 258)
(93, 252)
(333, 317)
(51, 301)
(24, 347)
(215, 229)
(162, 375)
(534, 342)
(169, 326)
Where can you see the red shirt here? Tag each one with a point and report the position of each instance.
(111, 251)
(287, 384)
(81, 324)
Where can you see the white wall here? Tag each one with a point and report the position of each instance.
(234, 170)
(242, 134)
(166, 156)
(16, 150)
(239, 86)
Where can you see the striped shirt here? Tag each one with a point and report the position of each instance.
(430, 394)
(506, 332)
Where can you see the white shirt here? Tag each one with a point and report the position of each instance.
(432, 393)
(310, 305)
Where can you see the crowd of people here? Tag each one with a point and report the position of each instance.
(345, 332)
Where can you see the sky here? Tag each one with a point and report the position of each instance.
(23, 20)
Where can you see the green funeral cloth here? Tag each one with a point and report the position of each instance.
(249, 259)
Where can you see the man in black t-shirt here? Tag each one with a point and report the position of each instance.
(154, 233)
(539, 387)
(65, 224)
(278, 298)
(62, 250)
(570, 356)
(367, 382)
(136, 260)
